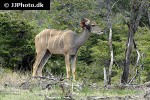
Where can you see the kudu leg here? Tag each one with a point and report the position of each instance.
(67, 61)
(37, 62)
(43, 62)
(73, 65)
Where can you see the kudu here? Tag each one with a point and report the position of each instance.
(66, 42)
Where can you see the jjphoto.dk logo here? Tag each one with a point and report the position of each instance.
(25, 5)
(6, 5)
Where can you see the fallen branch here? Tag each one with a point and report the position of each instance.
(58, 98)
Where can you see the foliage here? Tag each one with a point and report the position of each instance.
(15, 40)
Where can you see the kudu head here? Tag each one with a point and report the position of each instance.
(91, 26)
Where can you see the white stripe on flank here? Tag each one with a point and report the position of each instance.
(62, 36)
(46, 40)
(41, 36)
(51, 33)
(55, 39)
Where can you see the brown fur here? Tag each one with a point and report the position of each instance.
(66, 42)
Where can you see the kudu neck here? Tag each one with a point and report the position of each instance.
(83, 37)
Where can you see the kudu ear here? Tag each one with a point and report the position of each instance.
(84, 22)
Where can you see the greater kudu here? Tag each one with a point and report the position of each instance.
(66, 42)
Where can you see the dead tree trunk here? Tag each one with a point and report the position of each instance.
(135, 17)
(111, 55)
(110, 40)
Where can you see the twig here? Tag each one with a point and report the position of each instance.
(25, 82)
(132, 79)
(114, 4)
(44, 77)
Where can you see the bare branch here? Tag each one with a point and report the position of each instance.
(105, 77)
(114, 4)
(133, 78)
(138, 53)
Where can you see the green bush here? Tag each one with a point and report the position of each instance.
(15, 40)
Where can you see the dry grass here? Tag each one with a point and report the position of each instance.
(12, 78)
(10, 89)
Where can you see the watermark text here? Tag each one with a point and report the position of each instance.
(25, 5)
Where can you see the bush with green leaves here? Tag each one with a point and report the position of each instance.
(15, 40)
